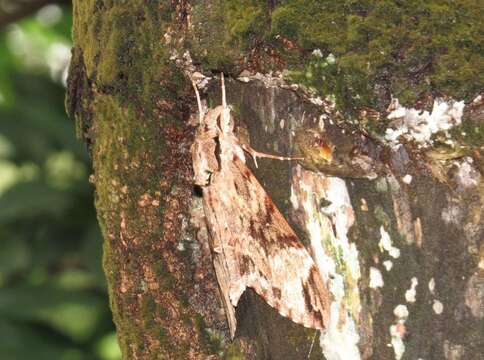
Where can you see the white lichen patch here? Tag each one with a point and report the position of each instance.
(388, 264)
(316, 100)
(317, 53)
(432, 286)
(397, 340)
(398, 330)
(339, 342)
(452, 213)
(401, 311)
(376, 279)
(419, 126)
(474, 295)
(466, 175)
(407, 179)
(438, 307)
(277, 79)
(321, 120)
(410, 294)
(386, 244)
(335, 256)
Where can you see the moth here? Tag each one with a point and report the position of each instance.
(252, 244)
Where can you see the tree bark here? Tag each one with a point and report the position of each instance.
(402, 227)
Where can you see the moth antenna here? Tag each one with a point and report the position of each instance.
(224, 99)
(199, 102)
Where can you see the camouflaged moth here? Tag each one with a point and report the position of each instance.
(252, 244)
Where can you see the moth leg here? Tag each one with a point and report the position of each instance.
(255, 154)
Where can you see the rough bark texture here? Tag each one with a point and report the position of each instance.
(132, 103)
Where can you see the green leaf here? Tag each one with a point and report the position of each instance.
(75, 279)
(32, 199)
(108, 347)
(74, 314)
(20, 342)
(14, 256)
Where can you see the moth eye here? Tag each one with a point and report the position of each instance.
(197, 191)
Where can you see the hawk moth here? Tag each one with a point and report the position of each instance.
(252, 244)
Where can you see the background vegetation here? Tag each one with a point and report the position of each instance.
(53, 299)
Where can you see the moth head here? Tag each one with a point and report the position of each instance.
(212, 119)
(226, 120)
(204, 160)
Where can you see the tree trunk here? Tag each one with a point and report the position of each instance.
(396, 230)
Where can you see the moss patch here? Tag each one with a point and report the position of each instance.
(211, 44)
(247, 20)
(406, 49)
(125, 53)
(469, 133)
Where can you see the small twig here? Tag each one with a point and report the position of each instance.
(312, 344)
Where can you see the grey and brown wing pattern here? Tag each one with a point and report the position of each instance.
(255, 247)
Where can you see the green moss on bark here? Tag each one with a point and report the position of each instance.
(408, 48)
(380, 49)
(124, 52)
(136, 121)
(117, 139)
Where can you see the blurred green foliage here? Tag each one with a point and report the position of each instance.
(53, 298)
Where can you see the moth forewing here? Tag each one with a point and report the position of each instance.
(253, 245)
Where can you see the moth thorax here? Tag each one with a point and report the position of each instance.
(227, 122)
